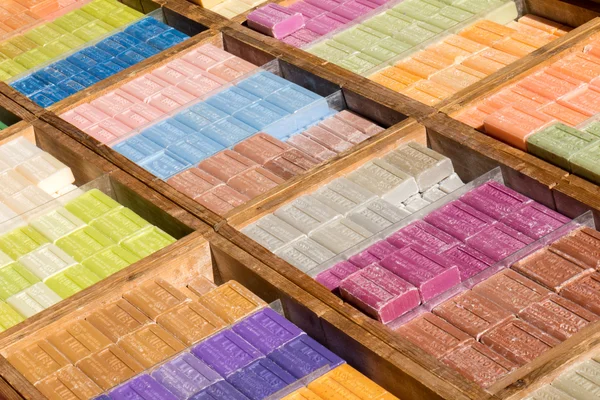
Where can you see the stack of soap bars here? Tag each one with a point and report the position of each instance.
(54, 60)
(579, 382)
(511, 318)
(200, 342)
(234, 143)
(537, 113)
(317, 227)
(230, 8)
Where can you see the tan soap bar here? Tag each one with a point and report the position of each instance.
(118, 319)
(110, 367)
(193, 182)
(78, 340)
(68, 383)
(231, 302)
(150, 345)
(226, 164)
(155, 297)
(254, 182)
(201, 285)
(37, 361)
(190, 322)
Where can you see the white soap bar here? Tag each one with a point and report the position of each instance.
(298, 219)
(549, 393)
(415, 203)
(377, 215)
(24, 304)
(385, 180)
(589, 369)
(5, 259)
(46, 261)
(433, 194)
(47, 173)
(343, 195)
(340, 235)
(18, 151)
(56, 224)
(503, 14)
(6, 213)
(279, 228)
(262, 237)
(11, 225)
(315, 209)
(578, 386)
(425, 165)
(451, 183)
(27, 199)
(43, 295)
(305, 254)
(12, 182)
(4, 166)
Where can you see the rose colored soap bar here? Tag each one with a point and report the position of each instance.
(495, 199)
(380, 293)
(535, 220)
(459, 220)
(275, 20)
(421, 234)
(333, 277)
(499, 241)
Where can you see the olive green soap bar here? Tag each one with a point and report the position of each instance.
(9, 317)
(15, 278)
(120, 223)
(91, 205)
(148, 241)
(63, 285)
(21, 241)
(110, 261)
(586, 163)
(84, 243)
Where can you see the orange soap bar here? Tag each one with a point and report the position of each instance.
(434, 89)
(592, 49)
(110, 367)
(222, 199)
(533, 40)
(578, 67)
(400, 75)
(449, 51)
(540, 23)
(118, 319)
(507, 98)
(387, 82)
(303, 394)
(201, 285)
(458, 77)
(464, 43)
(563, 114)
(68, 383)
(190, 322)
(155, 297)
(79, 340)
(481, 36)
(482, 64)
(417, 68)
(531, 31)
(513, 126)
(472, 116)
(231, 301)
(547, 85)
(421, 96)
(37, 361)
(533, 96)
(585, 100)
(432, 59)
(350, 379)
(150, 345)
(495, 27)
(514, 47)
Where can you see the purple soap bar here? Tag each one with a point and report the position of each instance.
(308, 10)
(328, 5)
(352, 10)
(185, 375)
(266, 330)
(535, 220)
(275, 20)
(261, 379)
(329, 280)
(421, 234)
(363, 259)
(430, 273)
(333, 277)
(323, 24)
(380, 293)
(144, 388)
(499, 241)
(469, 261)
(459, 220)
(226, 352)
(221, 390)
(303, 356)
(382, 249)
(495, 199)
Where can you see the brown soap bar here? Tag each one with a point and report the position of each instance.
(231, 302)
(68, 383)
(550, 269)
(290, 164)
(150, 345)
(190, 322)
(344, 130)
(118, 319)
(511, 290)
(434, 335)
(254, 182)
(200, 286)
(479, 363)
(79, 340)
(585, 291)
(519, 341)
(222, 199)
(110, 367)
(558, 316)
(37, 361)
(365, 126)
(473, 313)
(155, 297)
(582, 245)
(193, 182)
(226, 164)
(261, 148)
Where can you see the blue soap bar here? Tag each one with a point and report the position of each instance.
(228, 131)
(71, 86)
(114, 65)
(264, 114)
(232, 100)
(145, 49)
(164, 165)
(308, 107)
(185, 376)
(55, 93)
(221, 390)
(304, 355)
(261, 379)
(209, 112)
(137, 148)
(266, 330)
(130, 58)
(167, 39)
(167, 132)
(66, 68)
(195, 148)
(29, 85)
(193, 120)
(50, 75)
(143, 388)
(226, 352)
(125, 40)
(42, 100)
(101, 72)
(96, 54)
(112, 47)
(146, 29)
(263, 84)
(82, 61)
(86, 79)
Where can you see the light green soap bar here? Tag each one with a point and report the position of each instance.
(91, 205)
(12, 67)
(21, 241)
(359, 63)
(120, 223)
(593, 128)
(475, 6)
(23, 43)
(93, 30)
(71, 41)
(386, 23)
(9, 317)
(55, 49)
(380, 53)
(148, 241)
(5, 259)
(10, 50)
(82, 276)
(15, 278)
(56, 224)
(110, 261)
(455, 13)
(62, 285)
(558, 143)
(359, 37)
(74, 20)
(4, 76)
(44, 34)
(100, 8)
(586, 163)
(32, 58)
(122, 17)
(332, 51)
(84, 243)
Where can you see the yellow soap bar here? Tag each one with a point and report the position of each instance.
(344, 382)
(303, 394)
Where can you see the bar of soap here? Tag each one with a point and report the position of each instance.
(68, 382)
(117, 319)
(584, 291)
(535, 220)
(15, 278)
(584, 163)
(549, 392)
(91, 205)
(386, 180)
(365, 126)
(46, 261)
(305, 254)
(231, 302)
(56, 224)
(377, 215)
(147, 241)
(309, 146)
(110, 367)
(255, 182)
(185, 376)
(302, 394)
(346, 382)
(498, 241)
(84, 242)
(421, 234)
(343, 195)
(275, 20)
(190, 322)
(78, 340)
(380, 293)
(333, 277)
(221, 390)
(110, 261)
(495, 199)
(155, 297)
(226, 164)
(459, 219)
(469, 261)
(340, 235)
(21, 241)
(142, 387)
(514, 126)
(17, 151)
(151, 345)
(37, 361)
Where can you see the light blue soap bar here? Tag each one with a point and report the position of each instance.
(308, 107)
(260, 115)
(192, 120)
(165, 164)
(229, 131)
(167, 132)
(137, 148)
(263, 84)
(232, 100)
(209, 112)
(195, 148)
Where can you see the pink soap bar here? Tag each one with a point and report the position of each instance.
(261, 148)
(352, 10)
(144, 87)
(132, 119)
(459, 220)
(201, 60)
(495, 199)
(294, 41)
(227, 164)
(333, 277)
(202, 84)
(169, 75)
(499, 241)
(193, 182)
(215, 52)
(306, 35)
(382, 249)
(92, 113)
(363, 259)
(163, 103)
(323, 24)
(184, 67)
(100, 134)
(115, 102)
(469, 261)
(309, 146)
(254, 182)
(176, 94)
(115, 127)
(380, 293)
(327, 5)
(80, 121)
(423, 235)
(535, 220)
(308, 10)
(275, 20)
(343, 130)
(327, 139)
(222, 199)
(430, 273)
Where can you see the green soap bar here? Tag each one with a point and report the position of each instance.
(425, 12)
(91, 205)
(475, 6)
(15, 278)
(12, 68)
(100, 8)
(148, 241)
(593, 128)
(55, 49)
(74, 20)
(386, 23)
(2, 124)
(455, 13)
(417, 33)
(120, 223)
(10, 50)
(32, 58)
(82, 276)
(93, 30)
(122, 17)
(23, 43)
(21, 241)
(71, 41)
(4, 76)
(332, 51)
(110, 261)
(44, 34)
(62, 285)
(394, 45)
(84, 243)
(359, 63)
(380, 53)
(586, 163)
(9, 317)
(558, 143)
(359, 37)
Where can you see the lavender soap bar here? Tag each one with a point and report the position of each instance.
(261, 379)
(275, 20)
(226, 352)
(185, 376)
(267, 330)
(142, 388)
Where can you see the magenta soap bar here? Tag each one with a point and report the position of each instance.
(495, 199)
(323, 24)
(333, 277)
(469, 261)
(363, 259)
(308, 10)
(430, 273)
(352, 10)
(380, 293)
(459, 220)
(275, 20)
(535, 220)
(499, 241)
(424, 235)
